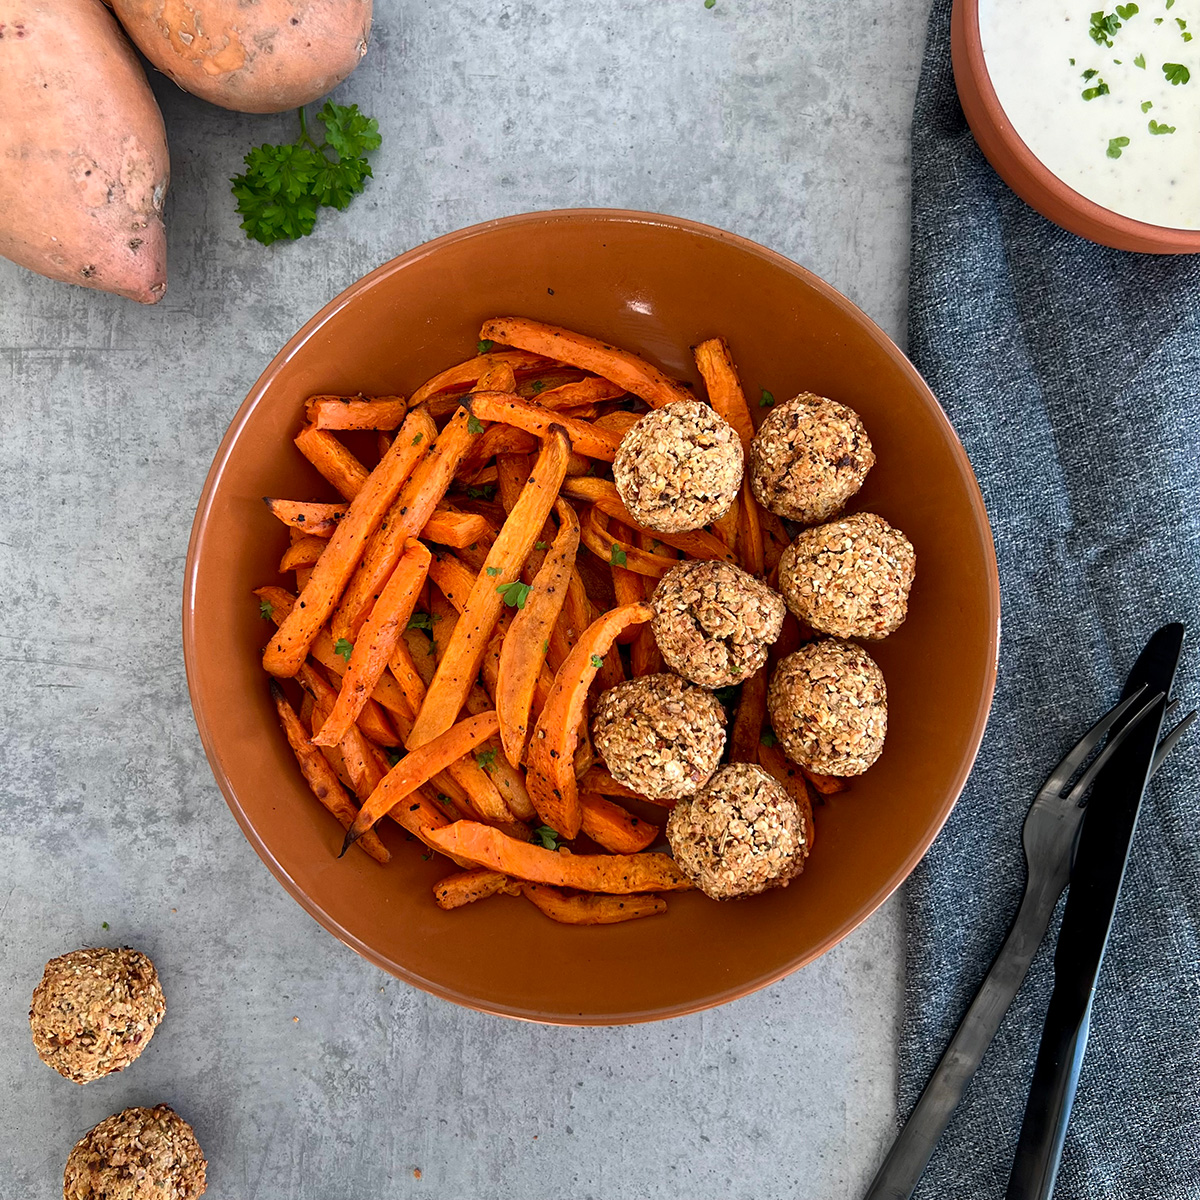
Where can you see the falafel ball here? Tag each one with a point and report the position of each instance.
(828, 707)
(679, 467)
(714, 622)
(139, 1154)
(739, 835)
(95, 1010)
(850, 578)
(808, 458)
(659, 735)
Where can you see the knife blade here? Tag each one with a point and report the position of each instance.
(1095, 886)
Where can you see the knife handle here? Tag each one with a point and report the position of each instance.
(1055, 1078)
(912, 1149)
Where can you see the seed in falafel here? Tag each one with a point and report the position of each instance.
(808, 458)
(95, 1010)
(680, 467)
(659, 735)
(714, 622)
(739, 835)
(828, 707)
(850, 578)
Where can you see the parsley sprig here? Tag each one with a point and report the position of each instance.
(544, 836)
(283, 186)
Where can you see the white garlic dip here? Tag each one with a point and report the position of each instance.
(1107, 99)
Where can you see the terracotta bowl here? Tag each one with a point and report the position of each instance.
(1016, 164)
(658, 285)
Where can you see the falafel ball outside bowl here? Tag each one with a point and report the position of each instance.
(658, 286)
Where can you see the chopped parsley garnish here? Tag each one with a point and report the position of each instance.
(417, 439)
(1140, 61)
(1090, 73)
(1156, 128)
(485, 758)
(710, 3)
(597, 661)
(1176, 73)
(1125, 11)
(1099, 89)
(618, 556)
(546, 646)
(422, 620)
(1170, 5)
(537, 387)
(485, 345)
(539, 545)
(492, 571)
(727, 695)
(515, 594)
(103, 924)
(266, 609)
(766, 399)
(485, 491)
(546, 837)
(768, 737)
(393, 754)
(344, 647)
(1103, 28)
(474, 424)
(283, 186)
(1147, 105)
(1116, 145)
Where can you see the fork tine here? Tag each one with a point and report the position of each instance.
(1078, 792)
(1170, 742)
(1073, 760)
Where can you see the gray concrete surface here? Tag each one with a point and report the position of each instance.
(307, 1073)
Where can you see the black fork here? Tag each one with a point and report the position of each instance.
(1049, 836)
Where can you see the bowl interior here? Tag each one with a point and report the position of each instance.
(658, 286)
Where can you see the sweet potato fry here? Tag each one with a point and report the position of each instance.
(406, 673)
(627, 586)
(372, 719)
(319, 775)
(289, 648)
(586, 439)
(774, 762)
(356, 412)
(376, 641)
(417, 767)
(466, 375)
(725, 394)
(749, 718)
(303, 553)
(749, 533)
(333, 460)
(610, 549)
(455, 580)
(583, 391)
(583, 908)
(623, 367)
(616, 874)
(602, 493)
(410, 509)
(311, 516)
(494, 585)
(512, 473)
(458, 529)
(613, 827)
(827, 785)
(618, 423)
(551, 773)
(524, 648)
(499, 377)
(496, 439)
(598, 780)
(465, 887)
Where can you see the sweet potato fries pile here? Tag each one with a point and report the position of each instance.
(457, 608)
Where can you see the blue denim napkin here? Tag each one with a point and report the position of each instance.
(1072, 374)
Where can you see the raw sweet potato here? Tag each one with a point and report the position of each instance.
(84, 151)
(261, 57)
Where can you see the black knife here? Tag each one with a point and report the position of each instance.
(1095, 885)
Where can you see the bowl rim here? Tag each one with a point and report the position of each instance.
(1148, 236)
(246, 411)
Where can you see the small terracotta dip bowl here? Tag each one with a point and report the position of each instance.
(1016, 164)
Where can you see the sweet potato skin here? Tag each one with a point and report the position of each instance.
(259, 58)
(83, 161)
